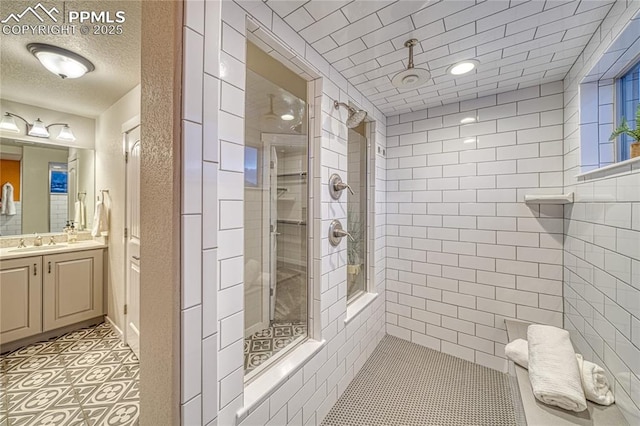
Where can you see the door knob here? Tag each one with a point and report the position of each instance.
(336, 186)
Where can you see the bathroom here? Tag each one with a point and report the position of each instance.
(490, 196)
(68, 269)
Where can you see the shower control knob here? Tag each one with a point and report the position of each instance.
(336, 232)
(336, 186)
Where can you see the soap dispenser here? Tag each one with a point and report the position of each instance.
(72, 234)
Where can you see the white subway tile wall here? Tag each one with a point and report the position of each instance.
(12, 225)
(602, 228)
(463, 250)
(212, 237)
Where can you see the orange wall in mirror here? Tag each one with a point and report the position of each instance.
(10, 172)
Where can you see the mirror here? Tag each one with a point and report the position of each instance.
(44, 186)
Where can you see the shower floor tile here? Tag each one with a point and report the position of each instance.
(86, 377)
(406, 384)
(264, 344)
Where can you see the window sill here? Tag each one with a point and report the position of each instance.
(358, 305)
(626, 166)
(256, 392)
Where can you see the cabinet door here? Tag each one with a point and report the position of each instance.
(20, 298)
(72, 288)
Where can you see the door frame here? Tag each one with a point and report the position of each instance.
(127, 127)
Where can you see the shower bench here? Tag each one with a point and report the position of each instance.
(531, 412)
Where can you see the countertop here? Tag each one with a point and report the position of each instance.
(31, 251)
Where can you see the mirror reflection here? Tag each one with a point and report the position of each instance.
(44, 186)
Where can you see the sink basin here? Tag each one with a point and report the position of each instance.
(34, 248)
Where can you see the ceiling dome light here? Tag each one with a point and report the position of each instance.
(59, 61)
(463, 67)
(468, 120)
(287, 117)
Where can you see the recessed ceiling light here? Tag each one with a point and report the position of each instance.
(287, 117)
(463, 67)
(61, 62)
(468, 120)
(469, 140)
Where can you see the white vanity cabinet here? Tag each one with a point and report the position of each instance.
(71, 288)
(52, 289)
(20, 298)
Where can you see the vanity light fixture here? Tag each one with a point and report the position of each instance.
(463, 67)
(468, 120)
(62, 62)
(36, 129)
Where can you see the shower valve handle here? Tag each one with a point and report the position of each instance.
(342, 233)
(339, 186)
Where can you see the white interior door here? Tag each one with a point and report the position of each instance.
(132, 241)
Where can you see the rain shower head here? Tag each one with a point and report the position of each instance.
(411, 77)
(355, 115)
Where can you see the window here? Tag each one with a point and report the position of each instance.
(629, 97)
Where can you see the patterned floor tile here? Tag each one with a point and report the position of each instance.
(264, 344)
(123, 414)
(86, 377)
(107, 393)
(59, 417)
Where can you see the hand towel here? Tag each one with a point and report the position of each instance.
(553, 368)
(518, 352)
(594, 382)
(8, 205)
(80, 216)
(100, 221)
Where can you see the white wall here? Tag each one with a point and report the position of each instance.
(602, 229)
(464, 251)
(212, 231)
(110, 174)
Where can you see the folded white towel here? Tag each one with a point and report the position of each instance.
(518, 352)
(594, 382)
(8, 205)
(100, 220)
(553, 368)
(80, 218)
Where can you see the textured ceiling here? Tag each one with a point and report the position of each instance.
(116, 58)
(518, 43)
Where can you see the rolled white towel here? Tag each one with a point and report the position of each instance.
(594, 382)
(553, 368)
(518, 352)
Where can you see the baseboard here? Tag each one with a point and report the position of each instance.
(114, 327)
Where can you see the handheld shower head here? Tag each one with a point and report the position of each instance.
(355, 115)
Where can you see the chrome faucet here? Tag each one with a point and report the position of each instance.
(22, 244)
(52, 241)
(37, 241)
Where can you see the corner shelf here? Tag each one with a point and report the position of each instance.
(549, 199)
